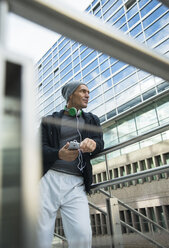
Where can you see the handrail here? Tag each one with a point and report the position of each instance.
(142, 216)
(60, 237)
(131, 177)
(97, 208)
(142, 234)
(92, 32)
(135, 211)
(133, 140)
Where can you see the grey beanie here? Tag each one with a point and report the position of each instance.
(69, 88)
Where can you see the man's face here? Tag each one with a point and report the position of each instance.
(79, 99)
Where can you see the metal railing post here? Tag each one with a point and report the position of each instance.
(114, 226)
(108, 173)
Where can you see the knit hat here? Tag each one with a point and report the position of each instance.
(69, 88)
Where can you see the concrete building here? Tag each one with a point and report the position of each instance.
(129, 102)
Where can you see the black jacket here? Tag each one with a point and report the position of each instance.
(50, 129)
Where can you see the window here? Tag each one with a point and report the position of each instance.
(146, 119)
(162, 87)
(126, 83)
(126, 129)
(65, 63)
(40, 67)
(102, 118)
(47, 72)
(91, 66)
(96, 8)
(144, 225)
(111, 114)
(48, 101)
(85, 53)
(149, 7)
(49, 107)
(129, 104)
(147, 83)
(40, 87)
(76, 61)
(151, 18)
(104, 65)
(162, 110)
(109, 94)
(98, 219)
(120, 22)
(112, 9)
(93, 224)
(129, 3)
(116, 16)
(47, 59)
(64, 49)
(56, 71)
(95, 92)
(66, 70)
(48, 86)
(92, 83)
(65, 55)
(117, 66)
(48, 79)
(63, 42)
(107, 84)
(158, 36)
(153, 28)
(99, 14)
(76, 68)
(149, 94)
(89, 58)
(132, 11)
(104, 225)
(133, 20)
(106, 6)
(136, 30)
(106, 74)
(124, 230)
(68, 76)
(102, 58)
(78, 76)
(123, 73)
(151, 215)
(124, 28)
(75, 54)
(163, 47)
(111, 136)
(96, 102)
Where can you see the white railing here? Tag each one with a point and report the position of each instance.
(92, 32)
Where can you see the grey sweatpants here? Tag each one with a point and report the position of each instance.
(64, 191)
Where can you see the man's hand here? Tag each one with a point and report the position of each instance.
(87, 145)
(66, 154)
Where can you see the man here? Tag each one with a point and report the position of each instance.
(68, 172)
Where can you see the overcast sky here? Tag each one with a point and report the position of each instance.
(32, 40)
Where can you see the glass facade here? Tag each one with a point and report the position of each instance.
(115, 87)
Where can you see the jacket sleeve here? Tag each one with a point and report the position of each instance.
(97, 136)
(49, 153)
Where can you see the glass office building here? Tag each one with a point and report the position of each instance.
(127, 100)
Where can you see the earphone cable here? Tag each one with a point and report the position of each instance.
(81, 163)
